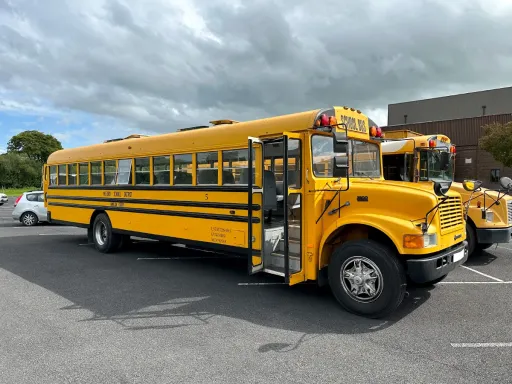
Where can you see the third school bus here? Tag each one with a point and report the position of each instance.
(414, 157)
(313, 205)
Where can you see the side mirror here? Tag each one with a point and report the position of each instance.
(340, 168)
(340, 142)
(444, 160)
(471, 185)
(506, 183)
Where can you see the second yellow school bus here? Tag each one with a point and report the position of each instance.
(301, 196)
(411, 156)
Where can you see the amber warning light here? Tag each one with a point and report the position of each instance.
(376, 131)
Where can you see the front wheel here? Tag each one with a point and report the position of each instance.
(105, 240)
(366, 278)
(471, 239)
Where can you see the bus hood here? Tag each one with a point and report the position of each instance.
(488, 192)
(405, 185)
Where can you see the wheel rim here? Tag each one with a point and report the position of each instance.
(100, 233)
(361, 279)
(29, 219)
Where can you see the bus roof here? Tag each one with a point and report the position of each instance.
(408, 145)
(224, 133)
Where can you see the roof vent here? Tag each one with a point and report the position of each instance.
(225, 121)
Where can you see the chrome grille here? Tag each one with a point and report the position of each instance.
(509, 211)
(450, 213)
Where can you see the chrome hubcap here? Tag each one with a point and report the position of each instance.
(361, 279)
(100, 233)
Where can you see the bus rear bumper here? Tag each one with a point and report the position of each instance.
(493, 235)
(435, 266)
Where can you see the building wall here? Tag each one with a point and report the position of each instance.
(470, 162)
(496, 101)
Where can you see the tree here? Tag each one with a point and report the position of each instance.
(17, 171)
(497, 140)
(34, 144)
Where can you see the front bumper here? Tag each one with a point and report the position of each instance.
(493, 235)
(4, 200)
(435, 266)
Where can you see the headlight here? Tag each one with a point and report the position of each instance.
(487, 215)
(420, 241)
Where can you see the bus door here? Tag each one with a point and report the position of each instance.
(293, 197)
(256, 233)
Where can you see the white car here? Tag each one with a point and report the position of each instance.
(29, 208)
(3, 199)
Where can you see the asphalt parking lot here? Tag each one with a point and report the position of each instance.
(157, 313)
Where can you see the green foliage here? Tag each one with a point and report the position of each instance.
(17, 171)
(497, 140)
(34, 144)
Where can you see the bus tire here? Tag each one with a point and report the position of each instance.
(105, 240)
(387, 281)
(471, 239)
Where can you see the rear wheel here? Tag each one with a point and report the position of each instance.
(105, 240)
(29, 219)
(366, 278)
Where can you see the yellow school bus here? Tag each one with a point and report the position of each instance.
(301, 196)
(418, 158)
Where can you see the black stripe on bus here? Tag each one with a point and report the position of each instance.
(188, 188)
(202, 245)
(200, 204)
(210, 216)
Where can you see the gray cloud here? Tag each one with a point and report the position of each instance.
(157, 66)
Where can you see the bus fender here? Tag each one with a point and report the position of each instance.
(378, 222)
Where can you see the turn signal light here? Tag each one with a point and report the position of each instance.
(452, 149)
(413, 241)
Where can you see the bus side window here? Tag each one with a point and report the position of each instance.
(83, 170)
(142, 172)
(124, 172)
(110, 172)
(72, 174)
(96, 173)
(53, 175)
(233, 162)
(162, 170)
(183, 169)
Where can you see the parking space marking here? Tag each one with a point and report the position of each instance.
(187, 258)
(474, 282)
(481, 273)
(481, 345)
(261, 283)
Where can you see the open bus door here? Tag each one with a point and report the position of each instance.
(276, 248)
(256, 217)
(293, 196)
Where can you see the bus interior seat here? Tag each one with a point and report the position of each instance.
(208, 176)
(182, 178)
(227, 177)
(270, 197)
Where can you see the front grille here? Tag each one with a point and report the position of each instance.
(450, 213)
(509, 211)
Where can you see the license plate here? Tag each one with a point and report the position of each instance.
(458, 256)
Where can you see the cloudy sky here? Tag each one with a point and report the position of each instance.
(90, 70)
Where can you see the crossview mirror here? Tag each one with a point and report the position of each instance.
(506, 183)
(340, 142)
(471, 185)
(340, 168)
(442, 187)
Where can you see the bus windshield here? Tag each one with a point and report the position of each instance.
(433, 165)
(364, 157)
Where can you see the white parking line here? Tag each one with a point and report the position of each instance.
(474, 282)
(187, 258)
(481, 273)
(261, 283)
(481, 345)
